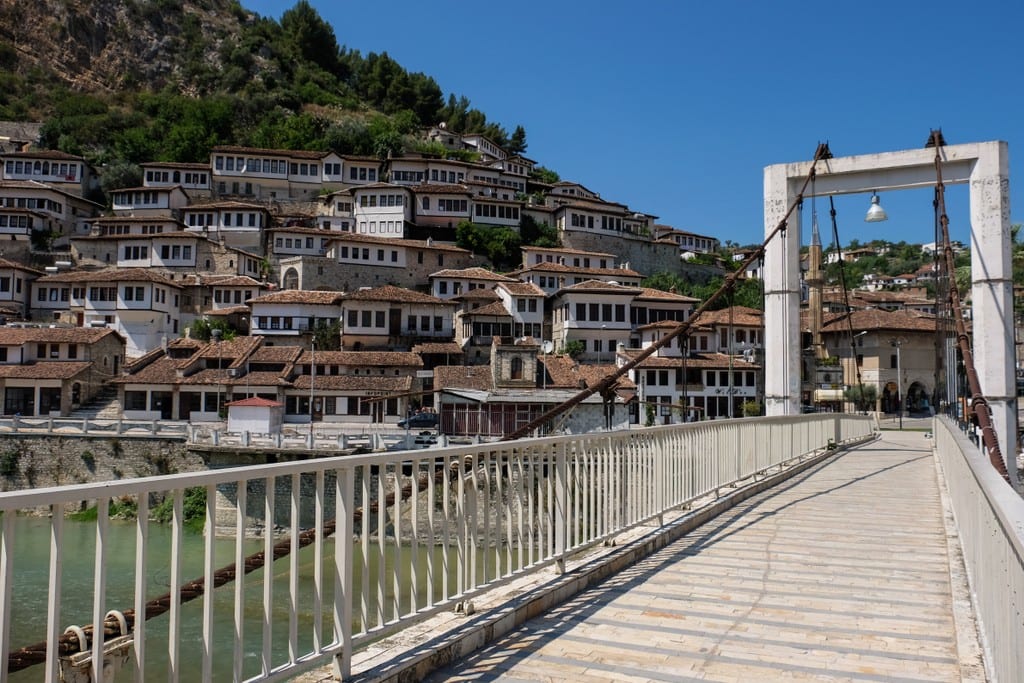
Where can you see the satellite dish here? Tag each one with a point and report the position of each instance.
(547, 346)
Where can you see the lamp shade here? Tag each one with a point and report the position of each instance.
(876, 214)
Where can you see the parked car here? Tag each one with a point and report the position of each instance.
(419, 421)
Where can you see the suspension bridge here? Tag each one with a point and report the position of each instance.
(796, 545)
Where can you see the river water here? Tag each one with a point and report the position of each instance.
(30, 587)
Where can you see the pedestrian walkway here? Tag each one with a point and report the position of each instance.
(842, 573)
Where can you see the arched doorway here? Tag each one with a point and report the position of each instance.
(290, 279)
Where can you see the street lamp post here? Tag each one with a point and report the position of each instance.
(215, 333)
(312, 383)
(899, 380)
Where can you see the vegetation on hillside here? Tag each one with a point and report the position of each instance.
(286, 84)
(747, 292)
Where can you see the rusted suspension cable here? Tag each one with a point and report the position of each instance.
(68, 644)
(605, 386)
(979, 404)
(846, 300)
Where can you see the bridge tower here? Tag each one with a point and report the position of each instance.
(985, 167)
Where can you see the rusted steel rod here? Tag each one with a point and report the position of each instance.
(979, 404)
(605, 385)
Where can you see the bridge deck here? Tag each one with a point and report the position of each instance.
(842, 573)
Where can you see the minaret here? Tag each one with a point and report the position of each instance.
(815, 283)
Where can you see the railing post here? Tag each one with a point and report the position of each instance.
(344, 508)
(561, 506)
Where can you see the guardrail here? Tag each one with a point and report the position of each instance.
(64, 426)
(990, 518)
(422, 531)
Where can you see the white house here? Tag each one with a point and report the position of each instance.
(290, 316)
(194, 179)
(594, 313)
(148, 201)
(453, 282)
(66, 172)
(139, 303)
(394, 318)
(381, 210)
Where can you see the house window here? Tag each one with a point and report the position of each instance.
(516, 369)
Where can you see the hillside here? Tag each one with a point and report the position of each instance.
(139, 80)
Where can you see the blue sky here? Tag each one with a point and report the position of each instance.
(674, 108)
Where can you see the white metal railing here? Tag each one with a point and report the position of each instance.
(990, 520)
(468, 518)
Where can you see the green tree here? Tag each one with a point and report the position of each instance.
(310, 37)
(517, 143)
(574, 349)
(537, 234)
(202, 329)
(327, 335)
(120, 174)
(862, 395)
(500, 245)
(544, 175)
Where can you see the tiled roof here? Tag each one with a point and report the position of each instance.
(226, 311)
(566, 373)
(45, 370)
(11, 336)
(299, 296)
(262, 378)
(201, 206)
(400, 242)
(362, 358)
(568, 251)
(294, 153)
(43, 154)
(477, 293)
(108, 275)
(254, 402)
(173, 235)
(601, 286)
(694, 360)
(396, 294)
(463, 377)
(474, 273)
(209, 377)
(593, 374)
(741, 315)
(355, 383)
(36, 185)
(574, 270)
(176, 164)
(426, 188)
(879, 320)
(519, 288)
(276, 354)
(495, 308)
(7, 263)
(661, 295)
(238, 347)
(447, 348)
(160, 371)
(232, 281)
(303, 230)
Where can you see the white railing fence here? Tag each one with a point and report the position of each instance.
(990, 520)
(424, 530)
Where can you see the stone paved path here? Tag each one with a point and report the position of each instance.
(839, 574)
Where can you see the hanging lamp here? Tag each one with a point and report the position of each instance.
(876, 214)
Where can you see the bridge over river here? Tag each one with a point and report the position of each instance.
(751, 549)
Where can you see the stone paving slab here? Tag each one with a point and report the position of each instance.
(841, 573)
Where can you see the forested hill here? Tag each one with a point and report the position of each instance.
(128, 81)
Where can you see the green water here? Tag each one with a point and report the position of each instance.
(31, 566)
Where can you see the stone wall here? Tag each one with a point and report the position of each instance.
(33, 461)
(642, 255)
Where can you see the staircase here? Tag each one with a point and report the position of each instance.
(104, 406)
